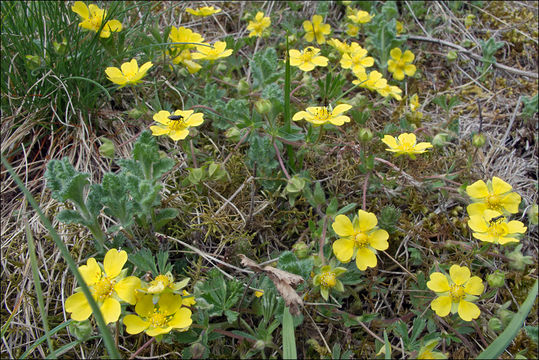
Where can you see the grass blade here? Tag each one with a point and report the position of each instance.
(387, 347)
(289, 339)
(43, 338)
(105, 333)
(500, 344)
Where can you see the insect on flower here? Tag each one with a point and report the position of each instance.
(175, 117)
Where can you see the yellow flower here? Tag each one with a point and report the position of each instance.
(426, 351)
(405, 144)
(495, 195)
(93, 18)
(494, 228)
(360, 16)
(455, 293)
(108, 288)
(340, 46)
(186, 59)
(352, 30)
(188, 299)
(320, 115)
(391, 90)
(414, 102)
(203, 11)
(316, 29)
(259, 293)
(359, 239)
(373, 81)
(307, 59)
(130, 73)
(259, 24)
(399, 64)
(161, 318)
(178, 127)
(186, 36)
(217, 51)
(399, 27)
(164, 283)
(356, 59)
(327, 280)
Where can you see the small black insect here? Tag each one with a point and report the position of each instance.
(495, 219)
(175, 117)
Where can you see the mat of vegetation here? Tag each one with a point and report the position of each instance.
(318, 179)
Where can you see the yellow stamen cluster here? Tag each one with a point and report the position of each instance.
(158, 319)
(103, 289)
(456, 292)
(361, 239)
(328, 279)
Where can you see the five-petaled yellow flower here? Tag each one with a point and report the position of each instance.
(307, 59)
(494, 228)
(405, 144)
(185, 57)
(352, 30)
(217, 51)
(315, 29)
(108, 286)
(164, 283)
(327, 280)
(130, 73)
(391, 90)
(259, 24)
(188, 37)
(494, 195)
(176, 128)
(161, 318)
(360, 16)
(320, 115)
(203, 11)
(359, 239)
(373, 81)
(414, 102)
(455, 293)
(93, 18)
(341, 47)
(400, 63)
(356, 59)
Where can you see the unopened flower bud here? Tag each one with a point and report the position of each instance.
(478, 140)
(221, 67)
(301, 250)
(82, 330)
(107, 148)
(505, 316)
(291, 39)
(259, 345)
(495, 325)
(451, 56)
(263, 106)
(135, 113)
(533, 214)
(233, 133)
(517, 260)
(243, 87)
(496, 279)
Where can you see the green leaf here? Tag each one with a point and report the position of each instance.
(265, 67)
(501, 342)
(65, 182)
(164, 216)
(387, 345)
(289, 339)
(319, 195)
(71, 217)
(144, 260)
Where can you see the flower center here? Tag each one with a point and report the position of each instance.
(103, 289)
(494, 203)
(176, 125)
(361, 239)
(328, 279)
(456, 292)
(323, 114)
(158, 319)
(498, 228)
(307, 55)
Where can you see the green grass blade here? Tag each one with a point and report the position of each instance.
(37, 285)
(105, 333)
(289, 339)
(44, 337)
(502, 342)
(387, 347)
(62, 350)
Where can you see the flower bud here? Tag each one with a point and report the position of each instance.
(517, 260)
(496, 279)
(197, 350)
(107, 148)
(478, 140)
(221, 67)
(533, 214)
(263, 106)
(307, 80)
(183, 72)
(243, 87)
(301, 250)
(291, 39)
(495, 324)
(259, 345)
(82, 330)
(365, 135)
(233, 133)
(451, 56)
(505, 316)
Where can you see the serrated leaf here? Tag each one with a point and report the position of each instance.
(144, 260)
(164, 216)
(319, 195)
(71, 217)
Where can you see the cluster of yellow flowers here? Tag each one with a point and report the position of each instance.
(159, 307)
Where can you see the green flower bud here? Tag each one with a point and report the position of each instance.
(221, 67)
(478, 140)
(533, 214)
(505, 316)
(107, 149)
(295, 184)
(469, 20)
(291, 39)
(495, 325)
(135, 113)
(496, 279)
(451, 56)
(365, 135)
(243, 87)
(307, 80)
(259, 345)
(233, 134)
(80, 329)
(333, 56)
(517, 260)
(263, 106)
(301, 250)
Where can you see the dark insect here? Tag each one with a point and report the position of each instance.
(175, 117)
(495, 219)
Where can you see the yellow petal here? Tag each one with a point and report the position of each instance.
(81, 9)
(478, 223)
(474, 286)
(441, 305)
(91, 272)
(478, 190)
(158, 331)
(499, 186)
(195, 119)
(113, 72)
(468, 311)
(511, 202)
(320, 61)
(408, 56)
(367, 220)
(390, 141)
(159, 130)
(307, 26)
(110, 310)
(182, 319)
(343, 226)
(476, 209)
(378, 239)
(395, 53)
(438, 282)
(78, 306)
(144, 68)
(162, 117)
(114, 262)
(169, 303)
(126, 288)
(134, 324)
(178, 134)
(365, 258)
(422, 146)
(129, 67)
(300, 115)
(113, 26)
(145, 306)
(339, 120)
(505, 240)
(339, 109)
(409, 69)
(459, 274)
(515, 226)
(343, 250)
(485, 237)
